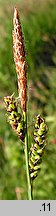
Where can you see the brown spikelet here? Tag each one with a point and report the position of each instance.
(19, 59)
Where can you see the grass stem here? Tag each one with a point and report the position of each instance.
(27, 160)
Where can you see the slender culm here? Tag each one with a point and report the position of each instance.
(19, 59)
(21, 69)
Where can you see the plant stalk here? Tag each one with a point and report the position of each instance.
(27, 160)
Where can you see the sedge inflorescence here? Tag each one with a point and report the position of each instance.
(15, 118)
(18, 120)
(19, 59)
(37, 149)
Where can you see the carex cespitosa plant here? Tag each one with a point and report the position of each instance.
(18, 117)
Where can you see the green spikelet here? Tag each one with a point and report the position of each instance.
(36, 151)
(15, 119)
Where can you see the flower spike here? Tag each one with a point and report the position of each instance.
(15, 118)
(19, 59)
(36, 151)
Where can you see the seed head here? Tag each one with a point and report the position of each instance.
(37, 150)
(14, 117)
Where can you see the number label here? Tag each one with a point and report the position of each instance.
(44, 205)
